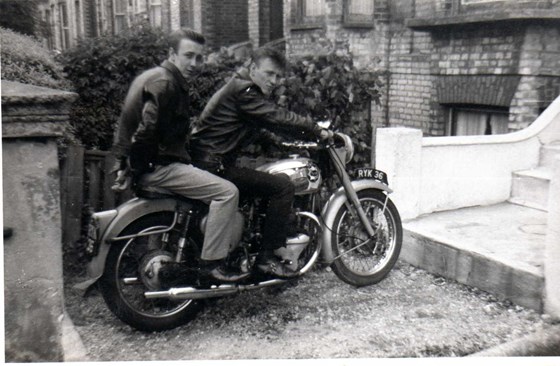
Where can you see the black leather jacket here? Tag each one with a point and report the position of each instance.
(154, 121)
(235, 115)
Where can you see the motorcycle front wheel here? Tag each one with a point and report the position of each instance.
(358, 260)
(132, 268)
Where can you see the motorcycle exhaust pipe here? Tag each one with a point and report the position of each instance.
(191, 293)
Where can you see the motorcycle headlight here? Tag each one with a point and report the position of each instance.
(347, 147)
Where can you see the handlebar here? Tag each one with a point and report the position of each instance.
(301, 144)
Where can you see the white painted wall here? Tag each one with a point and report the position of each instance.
(431, 174)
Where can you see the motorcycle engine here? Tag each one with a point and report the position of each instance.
(303, 172)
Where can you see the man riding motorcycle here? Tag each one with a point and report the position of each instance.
(232, 118)
(151, 137)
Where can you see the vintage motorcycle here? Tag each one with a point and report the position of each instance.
(145, 253)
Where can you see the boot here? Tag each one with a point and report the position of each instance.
(217, 271)
(270, 264)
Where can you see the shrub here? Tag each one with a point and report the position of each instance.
(328, 86)
(101, 70)
(25, 60)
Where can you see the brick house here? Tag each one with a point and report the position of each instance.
(454, 67)
(451, 67)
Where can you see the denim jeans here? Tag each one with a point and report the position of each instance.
(278, 190)
(221, 195)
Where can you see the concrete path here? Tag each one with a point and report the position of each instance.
(497, 248)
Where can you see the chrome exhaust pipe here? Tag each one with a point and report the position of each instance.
(191, 293)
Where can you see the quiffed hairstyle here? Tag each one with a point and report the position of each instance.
(266, 52)
(175, 37)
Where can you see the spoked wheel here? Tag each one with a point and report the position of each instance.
(360, 261)
(133, 267)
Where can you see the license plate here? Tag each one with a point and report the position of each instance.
(370, 173)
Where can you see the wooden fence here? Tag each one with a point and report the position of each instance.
(85, 182)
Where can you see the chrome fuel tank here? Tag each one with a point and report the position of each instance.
(303, 172)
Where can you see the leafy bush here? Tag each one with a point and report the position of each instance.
(329, 86)
(25, 60)
(21, 16)
(101, 70)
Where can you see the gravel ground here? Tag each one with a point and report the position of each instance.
(409, 314)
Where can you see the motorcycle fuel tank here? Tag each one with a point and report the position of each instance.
(303, 172)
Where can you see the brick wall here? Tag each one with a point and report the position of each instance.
(225, 22)
(254, 21)
(539, 67)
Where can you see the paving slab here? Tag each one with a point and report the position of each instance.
(498, 248)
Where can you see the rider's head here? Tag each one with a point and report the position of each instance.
(266, 68)
(185, 50)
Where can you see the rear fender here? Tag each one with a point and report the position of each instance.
(122, 216)
(333, 205)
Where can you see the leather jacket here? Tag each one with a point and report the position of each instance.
(235, 115)
(155, 119)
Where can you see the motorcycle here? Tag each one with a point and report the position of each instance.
(145, 253)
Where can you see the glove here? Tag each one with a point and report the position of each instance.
(322, 133)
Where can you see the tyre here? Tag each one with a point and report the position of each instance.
(362, 263)
(132, 268)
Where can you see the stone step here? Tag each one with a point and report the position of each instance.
(530, 188)
(548, 154)
(497, 248)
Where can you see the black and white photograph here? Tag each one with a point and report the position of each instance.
(283, 182)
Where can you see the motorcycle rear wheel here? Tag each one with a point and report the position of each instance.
(359, 263)
(131, 269)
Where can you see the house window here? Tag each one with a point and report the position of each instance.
(308, 13)
(78, 20)
(64, 25)
(358, 13)
(49, 30)
(465, 121)
(155, 13)
(120, 12)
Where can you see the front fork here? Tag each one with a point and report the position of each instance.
(350, 191)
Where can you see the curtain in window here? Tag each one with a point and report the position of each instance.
(360, 7)
(470, 123)
(313, 8)
(499, 123)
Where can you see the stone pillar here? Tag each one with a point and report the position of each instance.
(552, 249)
(398, 153)
(32, 119)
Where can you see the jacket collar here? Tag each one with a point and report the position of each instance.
(169, 66)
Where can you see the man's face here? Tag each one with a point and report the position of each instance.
(188, 56)
(266, 74)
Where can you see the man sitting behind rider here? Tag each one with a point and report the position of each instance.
(152, 134)
(231, 119)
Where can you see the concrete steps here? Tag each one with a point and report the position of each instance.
(497, 248)
(530, 187)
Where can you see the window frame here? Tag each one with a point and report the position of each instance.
(350, 20)
(302, 21)
(153, 5)
(123, 14)
(64, 24)
(453, 109)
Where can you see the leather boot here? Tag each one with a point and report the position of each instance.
(270, 264)
(217, 271)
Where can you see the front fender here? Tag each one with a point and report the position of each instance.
(333, 205)
(126, 214)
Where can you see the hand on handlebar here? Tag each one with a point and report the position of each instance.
(324, 134)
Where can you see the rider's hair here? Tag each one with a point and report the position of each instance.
(176, 36)
(273, 54)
